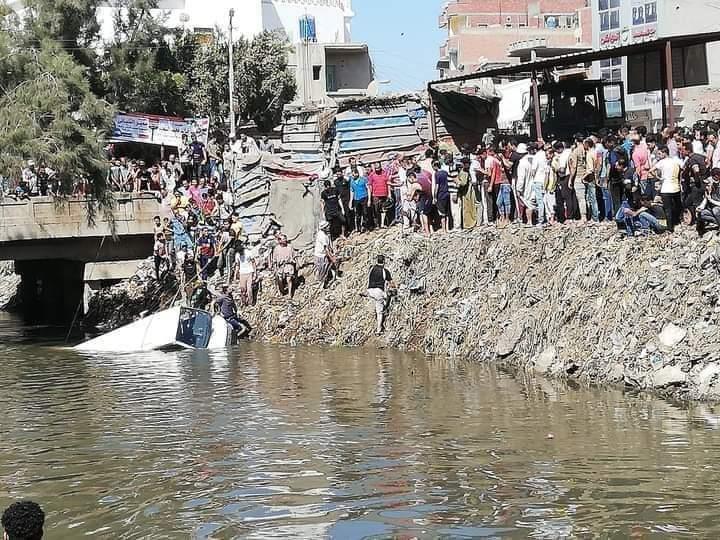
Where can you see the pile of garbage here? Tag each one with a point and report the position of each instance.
(9, 282)
(576, 302)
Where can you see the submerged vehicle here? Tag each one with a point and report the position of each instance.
(173, 329)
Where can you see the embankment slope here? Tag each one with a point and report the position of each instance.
(575, 302)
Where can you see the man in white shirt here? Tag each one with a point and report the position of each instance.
(538, 172)
(324, 255)
(668, 170)
(353, 164)
(524, 176)
(29, 176)
(713, 152)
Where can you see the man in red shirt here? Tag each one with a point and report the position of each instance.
(378, 181)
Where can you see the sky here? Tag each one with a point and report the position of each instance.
(403, 37)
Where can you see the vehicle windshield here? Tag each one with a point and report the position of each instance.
(194, 328)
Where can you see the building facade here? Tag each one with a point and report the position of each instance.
(625, 22)
(332, 17)
(484, 33)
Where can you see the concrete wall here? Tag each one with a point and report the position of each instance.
(305, 56)
(353, 70)
(298, 209)
(43, 218)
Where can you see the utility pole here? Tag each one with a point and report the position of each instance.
(231, 76)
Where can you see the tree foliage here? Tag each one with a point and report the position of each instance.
(60, 86)
(48, 113)
(71, 24)
(139, 69)
(263, 80)
(264, 83)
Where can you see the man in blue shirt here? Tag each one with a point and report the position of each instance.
(359, 199)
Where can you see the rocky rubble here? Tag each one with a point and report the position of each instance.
(125, 302)
(569, 302)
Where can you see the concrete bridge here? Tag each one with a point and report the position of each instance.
(51, 242)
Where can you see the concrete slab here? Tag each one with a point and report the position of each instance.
(111, 270)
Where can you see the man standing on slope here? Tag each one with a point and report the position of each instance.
(380, 283)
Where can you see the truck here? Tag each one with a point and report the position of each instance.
(567, 107)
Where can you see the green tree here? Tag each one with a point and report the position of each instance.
(139, 69)
(263, 80)
(72, 24)
(48, 113)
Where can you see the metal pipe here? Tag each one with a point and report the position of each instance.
(663, 85)
(432, 119)
(670, 84)
(536, 106)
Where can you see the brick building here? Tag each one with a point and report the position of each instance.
(489, 33)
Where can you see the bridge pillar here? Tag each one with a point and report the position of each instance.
(50, 290)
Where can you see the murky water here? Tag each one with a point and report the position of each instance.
(267, 442)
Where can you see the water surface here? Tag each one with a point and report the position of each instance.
(269, 442)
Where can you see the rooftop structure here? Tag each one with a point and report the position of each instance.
(484, 34)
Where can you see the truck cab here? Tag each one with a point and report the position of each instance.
(577, 106)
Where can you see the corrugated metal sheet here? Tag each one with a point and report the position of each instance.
(301, 136)
(378, 128)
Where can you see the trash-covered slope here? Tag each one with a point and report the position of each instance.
(570, 302)
(578, 302)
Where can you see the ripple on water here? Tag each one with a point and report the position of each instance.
(270, 442)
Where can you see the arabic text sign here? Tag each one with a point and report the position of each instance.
(153, 129)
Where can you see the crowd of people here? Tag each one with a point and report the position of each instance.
(641, 181)
(194, 160)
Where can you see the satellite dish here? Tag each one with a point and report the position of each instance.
(373, 89)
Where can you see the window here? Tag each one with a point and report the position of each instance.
(638, 15)
(611, 70)
(331, 84)
(609, 11)
(650, 12)
(613, 101)
(316, 73)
